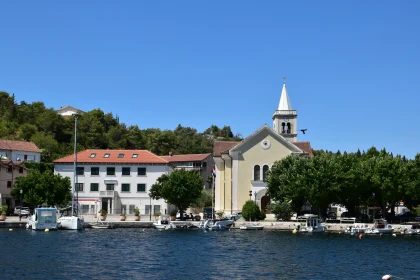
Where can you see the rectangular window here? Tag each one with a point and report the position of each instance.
(120, 155)
(85, 209)
(110, 171)
(126, 171)
(92, 155)
(25, 157)
(80, 171)
(106, 155)
(124, 208)
(94, 187)
(109, 187)
(9, 184)
(156, 208)
(147, 209)
(94, 171)
(141, 171)
(125, 187)
(131, 209)
(20, 169)
(9, 168)
(135, 155)
(79, 187)
(141, 187)
(204, 164)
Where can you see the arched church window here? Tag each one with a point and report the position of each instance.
(283, 127)
(256, 173)
(265, 170)
(289, 128)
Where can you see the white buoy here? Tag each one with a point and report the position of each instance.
(386, 277)
(294, 231)
(394, 234)
(10, 229)
(47, 230)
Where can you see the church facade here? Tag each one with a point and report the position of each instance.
(241, 167)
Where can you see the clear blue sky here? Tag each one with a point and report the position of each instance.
(352, 67)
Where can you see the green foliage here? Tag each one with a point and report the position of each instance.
(136, 211)
(157, 214)
(3, 209)
(39, 166)
(39, 188)
(123, 214)
(202, 201)
(181, 188)
(173, 212)
(103, 212)
(54, 134)
(282, 210)
(220, 213)
(372, 178)
(251, 211)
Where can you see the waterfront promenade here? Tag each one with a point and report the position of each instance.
(13, 222)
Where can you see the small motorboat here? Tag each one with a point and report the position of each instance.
(380, 226)
(251, 227)
(309, 223)
(42, 219)
(222, 224)
(163, 224)
(101, 225)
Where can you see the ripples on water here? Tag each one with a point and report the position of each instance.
(151, 254)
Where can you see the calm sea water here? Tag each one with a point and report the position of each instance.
(152, 254)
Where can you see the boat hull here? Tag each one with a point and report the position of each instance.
(71, 223)
(251, 227)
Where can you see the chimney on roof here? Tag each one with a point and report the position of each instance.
(170, 154)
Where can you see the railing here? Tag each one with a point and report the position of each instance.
(107, 193)
(285, 112)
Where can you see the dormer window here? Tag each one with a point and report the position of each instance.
(120, 155)
(135, 155)
(106, 155)
(92, 155)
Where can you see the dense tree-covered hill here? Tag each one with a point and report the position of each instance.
(97, 130)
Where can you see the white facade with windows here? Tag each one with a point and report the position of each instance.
(116, 187)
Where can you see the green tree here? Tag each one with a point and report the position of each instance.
(203, 201)
(181, 188)
(251, 211)
(39, 188)
(282, 210)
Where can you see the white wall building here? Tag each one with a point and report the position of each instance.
(19, 150)
(115, 180)
(68, 111)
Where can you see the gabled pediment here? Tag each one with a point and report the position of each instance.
(265, 129)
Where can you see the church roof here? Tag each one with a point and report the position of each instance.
(284, 104)
(221, 147)
(306, 147)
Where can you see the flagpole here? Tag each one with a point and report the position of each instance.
(212, 197)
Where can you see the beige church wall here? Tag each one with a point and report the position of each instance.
(219, 183)
(226, 191)
(253, 154)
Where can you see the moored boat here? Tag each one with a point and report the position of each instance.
(380, 226)
(251, 227)
(309, 223)
(42, 219)
(222, 224)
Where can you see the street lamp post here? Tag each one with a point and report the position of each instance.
(150, 207)
(20, 209)
(250, 195)
(255, 194)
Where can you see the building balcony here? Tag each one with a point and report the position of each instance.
(190, 168)
(108, 193)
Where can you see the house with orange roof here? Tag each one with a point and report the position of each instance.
(202, 163)
(117, 181)
(241, 167)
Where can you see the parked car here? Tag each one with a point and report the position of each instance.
(404, 217)
(235, 216)
(23, 212)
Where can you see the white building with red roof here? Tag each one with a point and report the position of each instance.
(115, 180)
(19, 150)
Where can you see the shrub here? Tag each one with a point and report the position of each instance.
(282, 210)
(136, 211)
(3, 209)
(251, 211)
(103, 212)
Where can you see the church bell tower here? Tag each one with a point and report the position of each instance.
(285, 118)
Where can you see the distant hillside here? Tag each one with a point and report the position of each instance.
(96, 130)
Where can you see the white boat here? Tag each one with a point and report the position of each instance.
(101, 225)
(251, 227)
(380, 226)
(356, 228)
(42, 219)
(163, 224)
(222, 224)
(411, 230)
(71, 222)
(309, 223)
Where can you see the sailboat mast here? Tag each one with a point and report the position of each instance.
(75, 166)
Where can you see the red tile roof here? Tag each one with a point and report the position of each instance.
(85, 157)
(185, 158)
(305, 146)
(13, 145)
(220, 147)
